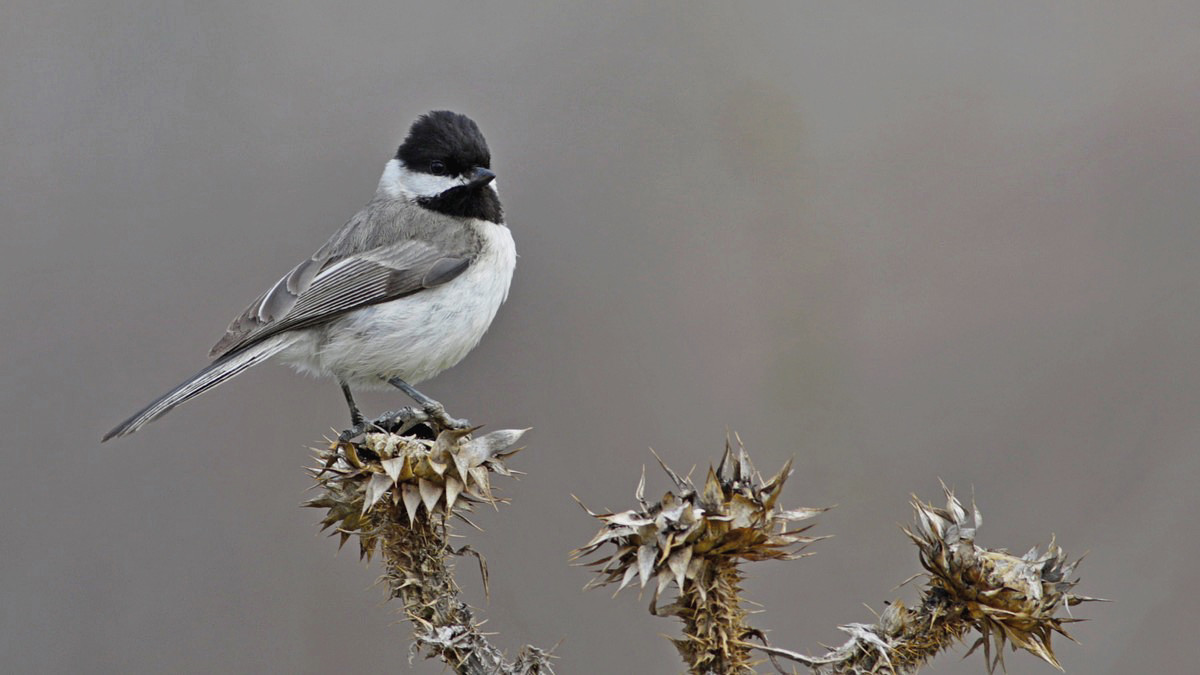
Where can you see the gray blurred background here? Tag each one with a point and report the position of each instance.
(896, 241)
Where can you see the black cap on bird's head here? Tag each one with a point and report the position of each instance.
(448, 138)
(445, 143)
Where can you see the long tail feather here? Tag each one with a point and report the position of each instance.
(222, 369)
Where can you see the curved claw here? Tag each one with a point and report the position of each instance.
(394, 421)
(352, 432)
(437, 413)
(404, 419)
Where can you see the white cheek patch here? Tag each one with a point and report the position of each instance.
(398, 181)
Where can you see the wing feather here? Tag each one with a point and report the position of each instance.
(323, 287)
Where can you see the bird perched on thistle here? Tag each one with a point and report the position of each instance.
(401, 292)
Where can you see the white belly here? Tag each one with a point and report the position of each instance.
(415, 337)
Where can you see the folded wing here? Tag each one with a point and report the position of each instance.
(323, 287)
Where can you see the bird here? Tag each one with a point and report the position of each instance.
(402, 291)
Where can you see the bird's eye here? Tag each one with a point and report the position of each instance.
(437, 167)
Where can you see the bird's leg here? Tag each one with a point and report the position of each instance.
(398, 421)
(357, 425)
(356, 418)
(436, 411)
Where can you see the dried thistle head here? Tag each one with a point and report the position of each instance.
(408, 475)
(734, 516)
(694, 537)
(1006, 598)
(396, 493)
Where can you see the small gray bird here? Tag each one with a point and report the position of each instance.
(397, 295)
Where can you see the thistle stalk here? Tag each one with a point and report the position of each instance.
(716, 636)
(396, 494)
(1008, 600)
(417, 572)
(696, 538)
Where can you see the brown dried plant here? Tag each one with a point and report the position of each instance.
(1002, 597)
(696, 538)
(397, 493)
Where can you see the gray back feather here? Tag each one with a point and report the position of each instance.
(390, 249)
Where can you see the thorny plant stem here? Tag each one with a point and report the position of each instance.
(417, 574)
(923, 634)
(694, 538)
(395, 494)
(715, 631)
(914, 637)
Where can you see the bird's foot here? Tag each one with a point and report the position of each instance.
(432, 417)
(352, 432)
(394, 422)
(437, 413)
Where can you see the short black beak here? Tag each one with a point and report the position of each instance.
(481, 177)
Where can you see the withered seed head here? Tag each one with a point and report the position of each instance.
(1006, 598)
(734, 516)
(426, 478)
(696, 538)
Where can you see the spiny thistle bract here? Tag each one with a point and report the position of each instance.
(695, 538)
(1004, 597)
(396, 493)
(421, 476)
